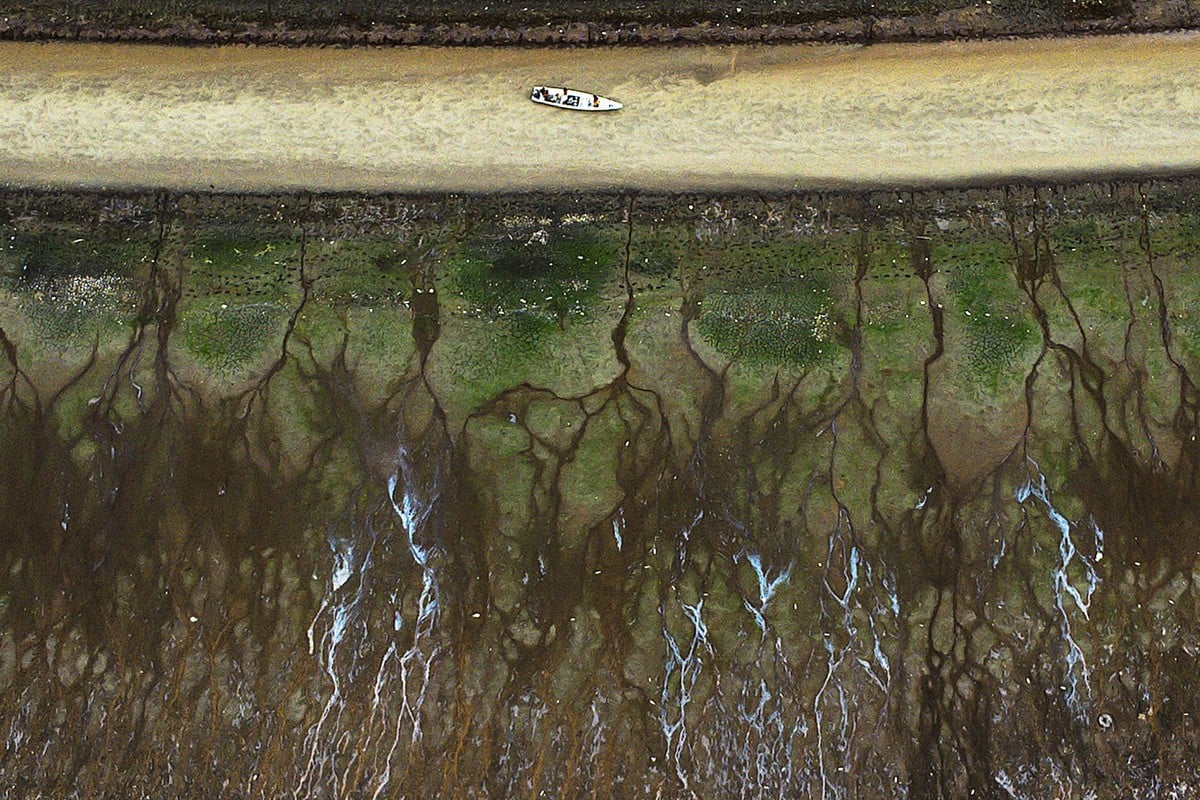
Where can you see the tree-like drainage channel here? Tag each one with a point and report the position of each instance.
(840, 496)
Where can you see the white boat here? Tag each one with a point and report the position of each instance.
(572, 99)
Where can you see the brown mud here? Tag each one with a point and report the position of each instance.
(615, 496)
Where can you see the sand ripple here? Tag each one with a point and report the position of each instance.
(735, 117)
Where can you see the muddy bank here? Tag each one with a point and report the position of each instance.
(579, 24)
(738, 117)
(867, 495)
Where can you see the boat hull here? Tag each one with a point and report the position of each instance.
(572, 99)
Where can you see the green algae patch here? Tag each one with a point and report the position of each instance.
(34, 256)
(351, 273)
(237, 288)
(475, 360)
(72, 286)
(228, 338)
(256, 269)
(778, 303)
(539, 311)
(786, 324)
(987, 310)
(55, 324)
(539, 284)
(588, 482)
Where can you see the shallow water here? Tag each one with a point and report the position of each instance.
(847, 496)
(695, 118)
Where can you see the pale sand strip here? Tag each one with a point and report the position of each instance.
(433, 119)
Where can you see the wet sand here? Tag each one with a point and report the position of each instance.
(804, 116)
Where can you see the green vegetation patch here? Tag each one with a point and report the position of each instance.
(553, 278)
(997, 330)
(1177, 234)
(72, 287)
(534, 287)
(32, 258)
(537, 307)
(227, 337)
(777, 324)
(250, 268)
(349, 272)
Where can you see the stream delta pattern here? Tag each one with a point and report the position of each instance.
(615, 496)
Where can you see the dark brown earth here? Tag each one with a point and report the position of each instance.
(311, 22)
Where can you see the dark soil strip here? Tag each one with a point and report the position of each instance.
(573, 23)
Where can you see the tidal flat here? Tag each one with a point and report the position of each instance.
(872, 495)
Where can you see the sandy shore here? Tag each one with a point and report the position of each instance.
(724, 117)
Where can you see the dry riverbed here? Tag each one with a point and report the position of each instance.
(722, 117)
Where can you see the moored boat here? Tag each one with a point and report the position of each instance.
(572, 99)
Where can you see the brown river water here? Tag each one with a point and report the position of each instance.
(700, 117)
